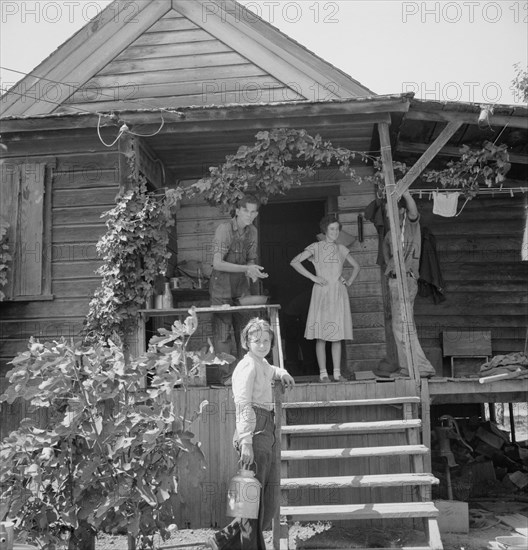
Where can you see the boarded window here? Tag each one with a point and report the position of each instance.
(24, 209)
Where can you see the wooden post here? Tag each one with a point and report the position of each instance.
(128, 165)
(399, 264)
(278, 393)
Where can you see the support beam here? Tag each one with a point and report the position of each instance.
(399, 264)
(421, 164)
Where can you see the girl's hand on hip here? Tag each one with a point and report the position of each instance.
(321, 281)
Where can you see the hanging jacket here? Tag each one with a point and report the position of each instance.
(375, 212)
(431, 282)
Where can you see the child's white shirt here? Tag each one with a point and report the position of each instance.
(251, 383)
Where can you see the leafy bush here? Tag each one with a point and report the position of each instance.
(114, 449)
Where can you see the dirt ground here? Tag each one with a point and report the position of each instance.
(484, 527)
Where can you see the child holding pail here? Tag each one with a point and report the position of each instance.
(254, 438)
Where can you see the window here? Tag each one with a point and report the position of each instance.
(26, 210)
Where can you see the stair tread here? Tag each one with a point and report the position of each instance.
(351, 402)
(376, 426)
(376, 480)
(348, 452)
(362, 511)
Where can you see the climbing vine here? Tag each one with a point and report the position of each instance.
(134, 253)
(486, 166)
(279, 160)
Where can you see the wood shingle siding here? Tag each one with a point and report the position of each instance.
(486, 281)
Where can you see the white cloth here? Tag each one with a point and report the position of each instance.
(252, 387)
(445, 204)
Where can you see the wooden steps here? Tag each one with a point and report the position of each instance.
(384, 480)
(385, 510)
(389, 450)
(353, 403)
(321, 434)
(352, 427)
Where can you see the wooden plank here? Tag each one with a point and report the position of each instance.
(176, 76)
(421, 164)
(203, 61)
(382, 480)
(352, 427)
(60, 307)
(78, 233)
(516, 521)
(266, 95)
(173, 50)
(363, 511)
(85, 197)
(75, 270)
(9, 205)
(78, 215)
(468, 390)
(40, 328)
(31, 230)
(47, 229)
(47, 145)
(351, 403)
(433, 534)
(158, 38)
(167, 23)
(248, 89)
(88, 168)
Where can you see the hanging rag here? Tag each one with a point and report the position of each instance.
(445, 204)
(376, 213)
(431, 282)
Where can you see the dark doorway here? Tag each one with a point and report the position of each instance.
(285, 230)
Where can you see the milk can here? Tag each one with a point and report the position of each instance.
(6, 535)
(243, 495)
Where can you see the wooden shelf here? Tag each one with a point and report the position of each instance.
(208, 309)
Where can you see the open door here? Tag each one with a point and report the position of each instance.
(286, 228)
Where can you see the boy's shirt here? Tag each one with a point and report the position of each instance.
(252, 387)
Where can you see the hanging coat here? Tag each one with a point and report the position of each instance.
(431, 282)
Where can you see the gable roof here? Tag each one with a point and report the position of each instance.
(174, 53)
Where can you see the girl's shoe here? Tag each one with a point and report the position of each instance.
(324, 377)
(338, 378)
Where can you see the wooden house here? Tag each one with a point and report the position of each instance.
(193, 81)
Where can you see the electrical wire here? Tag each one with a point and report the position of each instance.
(121, 132)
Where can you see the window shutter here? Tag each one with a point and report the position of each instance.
(22, 208)
(30, 230)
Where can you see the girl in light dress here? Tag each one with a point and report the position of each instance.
(329, 317)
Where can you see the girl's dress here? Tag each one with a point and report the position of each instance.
(329, 316)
